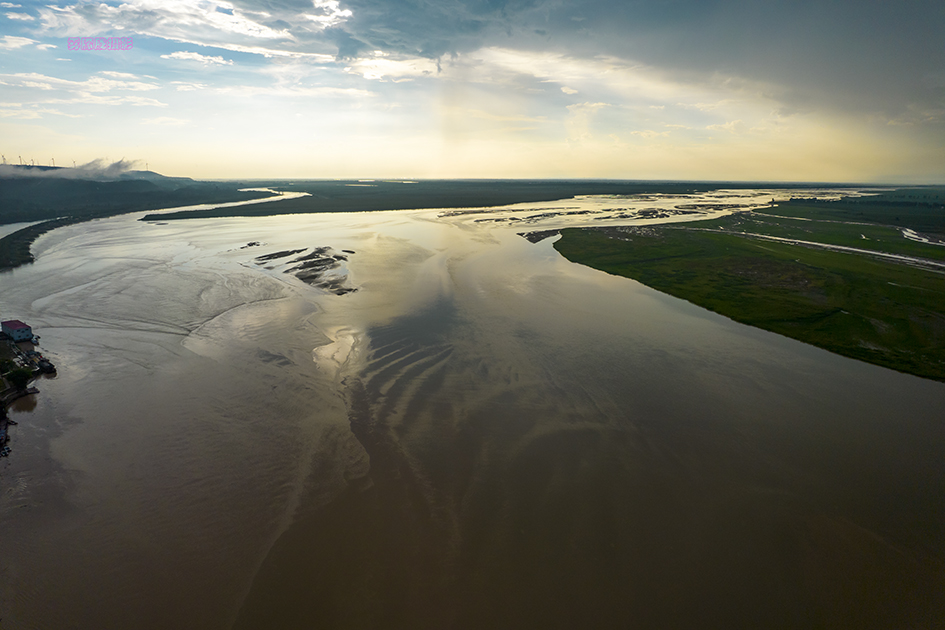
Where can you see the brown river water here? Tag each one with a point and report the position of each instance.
(483, 435)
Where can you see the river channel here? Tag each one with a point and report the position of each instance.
(480, 435)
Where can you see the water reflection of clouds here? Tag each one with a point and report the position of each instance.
(333, 358)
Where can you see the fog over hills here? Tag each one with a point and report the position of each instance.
(39, 193)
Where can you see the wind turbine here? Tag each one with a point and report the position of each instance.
(53, 162)
(4, 159)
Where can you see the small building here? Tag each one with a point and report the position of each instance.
(16, 330)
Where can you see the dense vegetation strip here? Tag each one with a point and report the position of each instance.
(15, 247)
(28, 199)
(884, 313)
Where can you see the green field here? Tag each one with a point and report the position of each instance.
(886, 313)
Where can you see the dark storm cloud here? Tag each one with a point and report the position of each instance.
(858, 55)
(436, 29)
(348, 46)
(872, 56)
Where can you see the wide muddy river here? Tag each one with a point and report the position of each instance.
(482, 435)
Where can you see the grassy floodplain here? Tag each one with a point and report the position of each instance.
(857, 305)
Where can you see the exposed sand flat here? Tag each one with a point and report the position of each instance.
(922, 238)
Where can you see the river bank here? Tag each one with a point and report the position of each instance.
(25, 199)
(12, 354)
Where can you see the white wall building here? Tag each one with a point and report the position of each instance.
(16, 330)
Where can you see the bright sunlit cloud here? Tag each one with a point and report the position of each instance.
(206, 60)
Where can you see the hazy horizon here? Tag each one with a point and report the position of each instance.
(97, 169)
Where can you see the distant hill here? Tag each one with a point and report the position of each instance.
(56, 197)
(98, 170)
(157, 178)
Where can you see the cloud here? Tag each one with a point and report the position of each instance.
(170, 19)
(95, 99)
(100, 167)
(706, 107)
(733, 126)
(187, 86)
(628, 80)
(580, 121)
(24, 114)
(383, 68)
(93, 84)
(10, 5)
(845, 53)
(23, 17)
(166, 121)
(295, 91)
(204, 59)
(105, 88)
(475, 113)
(282, 29)
(839, 57)
(587, 107)
(328, 13)
(16, 110)
(811, 55)
(435, 29)
(10, 42)
(119, 75)
(742, 67)
(97, 169)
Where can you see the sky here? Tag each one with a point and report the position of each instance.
(813, 90)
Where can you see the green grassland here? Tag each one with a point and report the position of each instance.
(885, 313)
(875, 237)
(920, 209)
